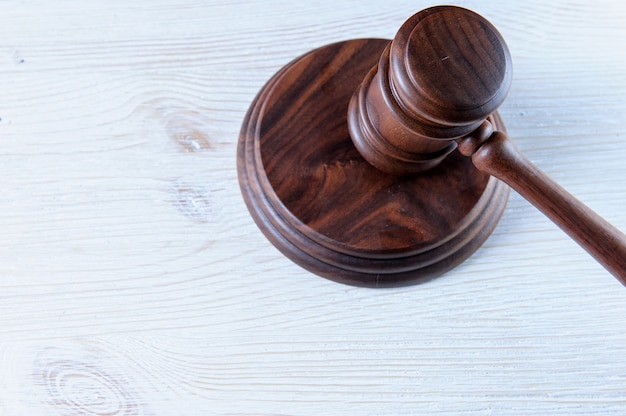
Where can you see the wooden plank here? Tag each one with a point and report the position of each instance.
(133, 280)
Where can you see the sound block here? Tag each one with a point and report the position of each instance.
(323, 206)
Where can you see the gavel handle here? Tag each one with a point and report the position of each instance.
(499, 157)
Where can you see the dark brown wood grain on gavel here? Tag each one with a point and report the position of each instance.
(382, 163)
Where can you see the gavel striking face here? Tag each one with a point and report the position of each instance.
(374, 162)
(444, 73)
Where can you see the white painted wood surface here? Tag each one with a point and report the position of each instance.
(134, 282)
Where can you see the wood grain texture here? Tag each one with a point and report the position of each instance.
(132, 279)
(325, 207)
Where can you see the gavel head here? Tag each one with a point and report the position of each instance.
(444, 73)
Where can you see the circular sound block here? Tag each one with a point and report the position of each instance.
(322, 205)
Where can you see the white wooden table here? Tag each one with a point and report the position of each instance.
(134, 282)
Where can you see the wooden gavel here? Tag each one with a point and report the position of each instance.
(411, 193)
(446, 71)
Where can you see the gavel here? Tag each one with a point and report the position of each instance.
(425, 108)
(446, 71)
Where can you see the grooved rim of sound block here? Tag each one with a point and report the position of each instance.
(323, 206)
